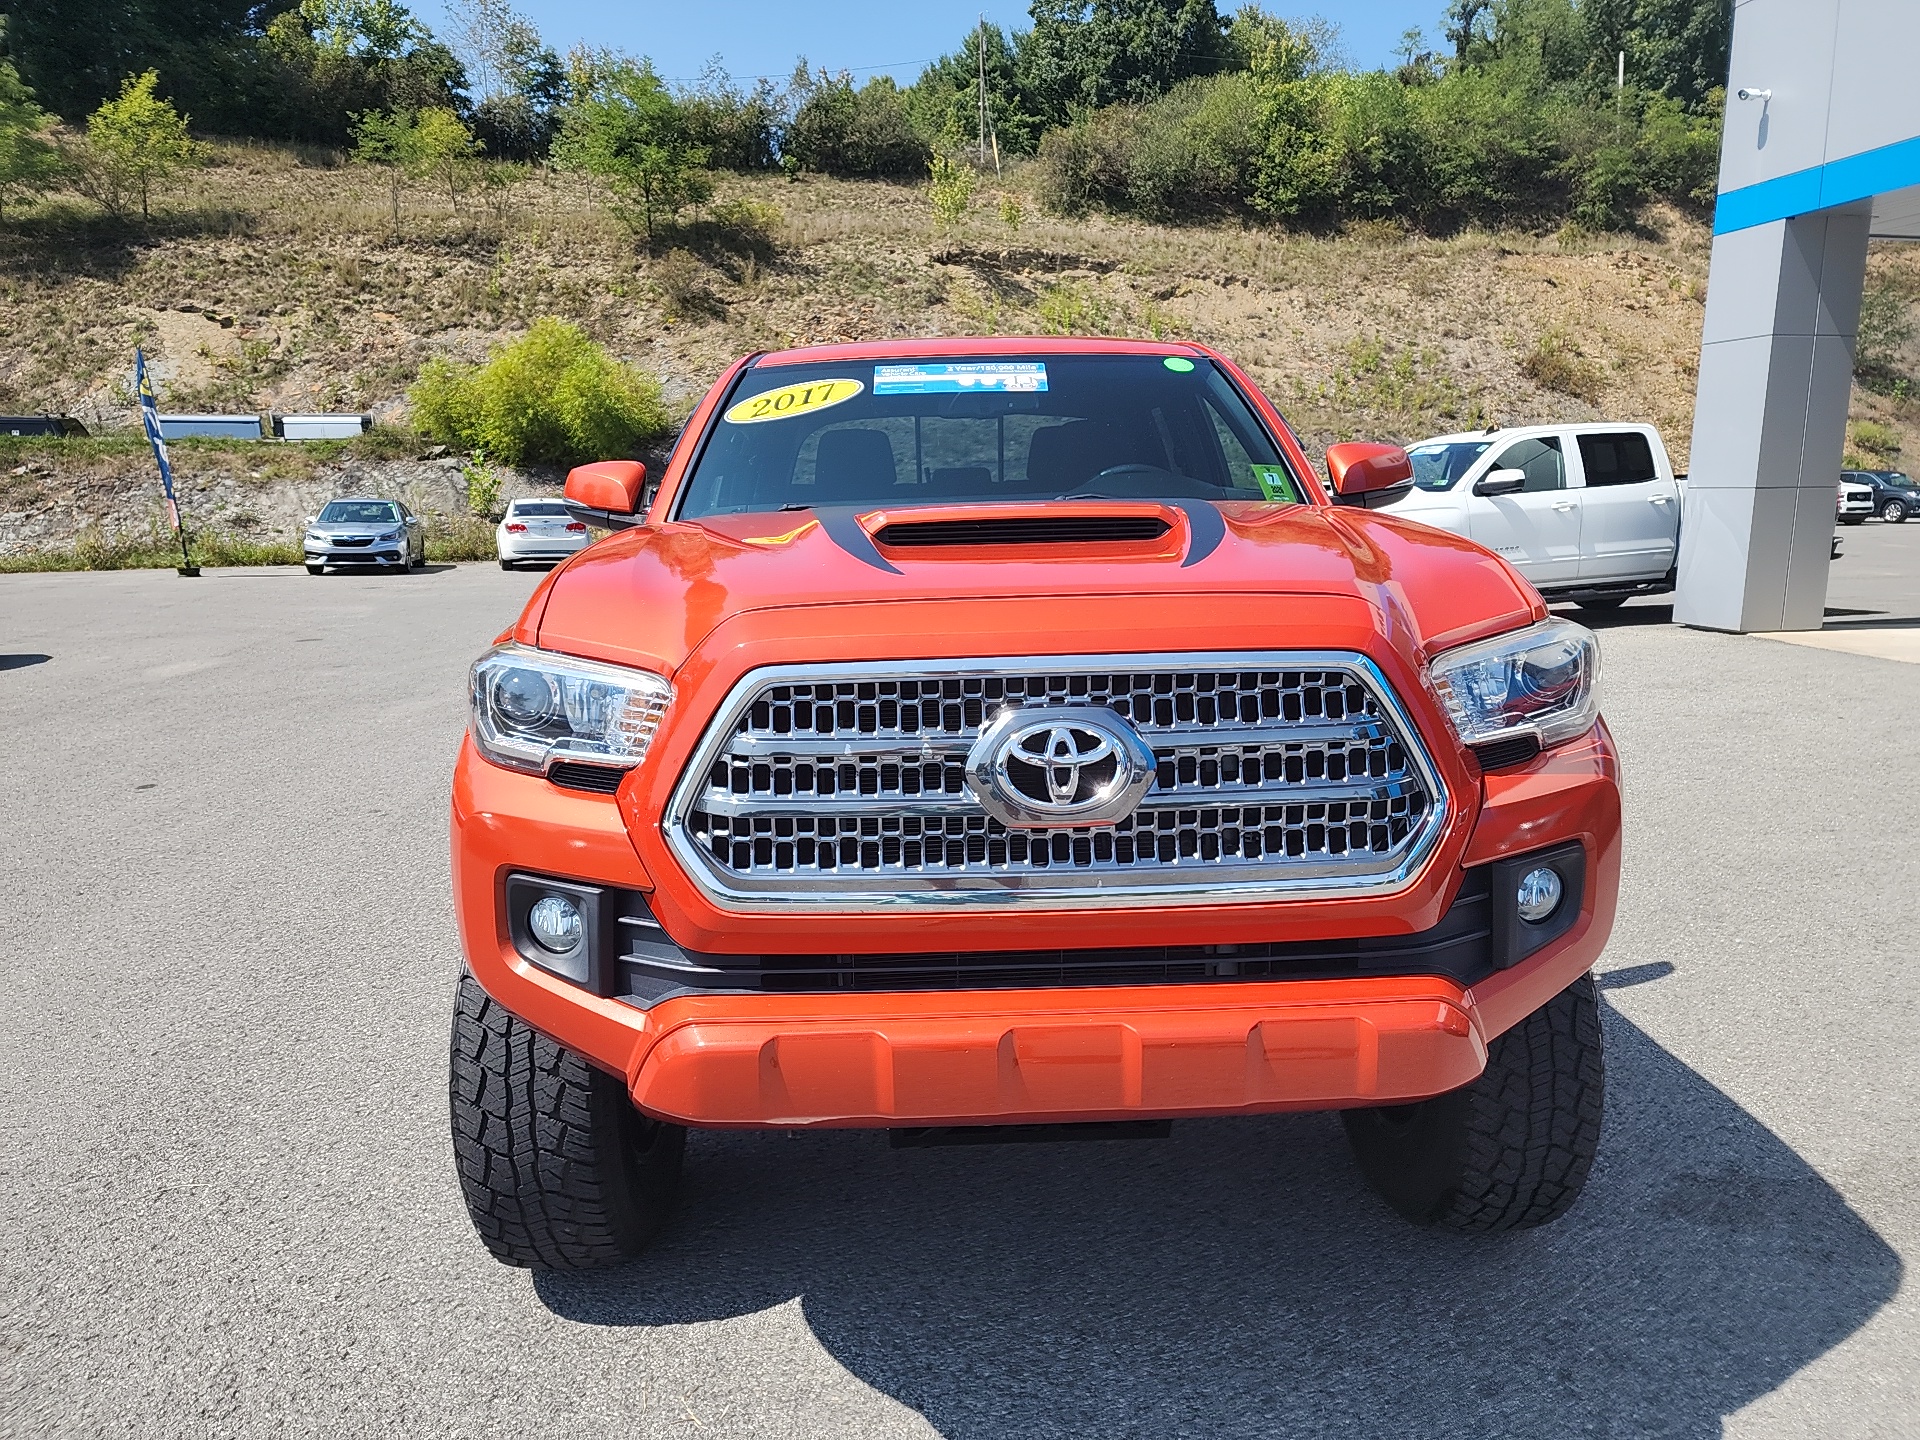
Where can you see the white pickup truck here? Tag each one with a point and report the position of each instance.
(1589, 513)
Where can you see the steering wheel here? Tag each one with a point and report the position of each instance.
(1164, 482)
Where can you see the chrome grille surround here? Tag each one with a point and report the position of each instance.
(1281, 775)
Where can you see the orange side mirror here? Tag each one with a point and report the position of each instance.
(1358, 468)
(611, 487)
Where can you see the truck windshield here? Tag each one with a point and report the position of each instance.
(1438, 467)
(1020, 428)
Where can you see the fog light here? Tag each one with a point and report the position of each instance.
(555, 922)
(1538, 897)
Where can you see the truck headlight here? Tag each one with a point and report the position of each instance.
(1544, 680)
(533, 707)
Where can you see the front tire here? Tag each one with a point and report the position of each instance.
(1512, 1149)
(558, 1169)
(1894, 512)
(1602, 603)
(316, 569)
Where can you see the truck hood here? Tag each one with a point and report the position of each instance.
(649, 596)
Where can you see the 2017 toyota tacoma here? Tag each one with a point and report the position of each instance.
(974, 733)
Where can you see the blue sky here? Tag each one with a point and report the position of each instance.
(762, 37)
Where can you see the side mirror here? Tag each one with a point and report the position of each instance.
(1363, 473)
(313, 519)
(607, 493)
(1500, 482)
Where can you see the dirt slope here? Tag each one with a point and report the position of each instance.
(275, 283)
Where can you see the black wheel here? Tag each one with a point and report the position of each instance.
(316, 569)
(1602, 602)
(1853, 519)
(558, 1169)
(1894, 512)
(506, 564)
(1512, 1149)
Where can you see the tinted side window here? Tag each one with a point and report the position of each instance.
(1541, 459)
(1625, 459)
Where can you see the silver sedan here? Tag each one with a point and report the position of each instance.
(365, 532)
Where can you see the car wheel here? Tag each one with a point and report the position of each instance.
(1602, 602)
(1894, 512)
(1853, 519)
(506, 564)
(557, 1167)
(316, 569)
(1512, 1149)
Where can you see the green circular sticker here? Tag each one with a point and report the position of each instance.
(1178, 363)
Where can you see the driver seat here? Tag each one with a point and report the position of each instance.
(1064, 457)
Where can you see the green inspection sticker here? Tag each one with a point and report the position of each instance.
(1179, 364)
(1276, 483)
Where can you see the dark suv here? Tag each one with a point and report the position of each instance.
(1895, 496)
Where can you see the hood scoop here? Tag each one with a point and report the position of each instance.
(1055, 529)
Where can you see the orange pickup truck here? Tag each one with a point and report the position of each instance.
(1019, 733)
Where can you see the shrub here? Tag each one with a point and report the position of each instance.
(1189, 153)
(739, 129)
(1555, 363)
(840, 130)
(949, 190)
(552, 395)
(1876, 439)
(683, 291)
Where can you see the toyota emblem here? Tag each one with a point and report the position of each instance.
(1059, 766)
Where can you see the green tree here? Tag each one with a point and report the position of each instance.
(28, 160)
(1083, 53)
(135, 143)
(386, 139)
(444, 149)
(378, 29)
(945, 100)
(840, 129)
(624, 128)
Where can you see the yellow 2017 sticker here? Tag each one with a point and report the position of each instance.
(793, 400)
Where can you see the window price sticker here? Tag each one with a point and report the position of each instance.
(1276, 484)
(1020, 377)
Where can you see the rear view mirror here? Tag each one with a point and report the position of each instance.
(1362, 474)
(1500, 482)
(607, 493)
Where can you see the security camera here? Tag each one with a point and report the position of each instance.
(1746, 94)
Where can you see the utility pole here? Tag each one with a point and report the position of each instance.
(986, 112)
(980, 56)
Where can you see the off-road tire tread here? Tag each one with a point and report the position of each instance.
(545, 1146)
(1509, 1150)
(1534, 1120)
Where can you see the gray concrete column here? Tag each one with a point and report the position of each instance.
(1770, 421)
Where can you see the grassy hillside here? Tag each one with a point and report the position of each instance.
(278, 280)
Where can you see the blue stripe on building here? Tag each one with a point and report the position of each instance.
(1841, 182)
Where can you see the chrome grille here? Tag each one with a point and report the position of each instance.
(845, 785)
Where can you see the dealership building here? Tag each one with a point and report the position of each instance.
(1821, 154)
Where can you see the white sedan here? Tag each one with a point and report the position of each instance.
(540, 530)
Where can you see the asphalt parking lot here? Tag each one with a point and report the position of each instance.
(230, 1207)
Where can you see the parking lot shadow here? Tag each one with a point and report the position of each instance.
(1239, 1279)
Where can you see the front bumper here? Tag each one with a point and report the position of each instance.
(974, 1056)
(385, 552)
